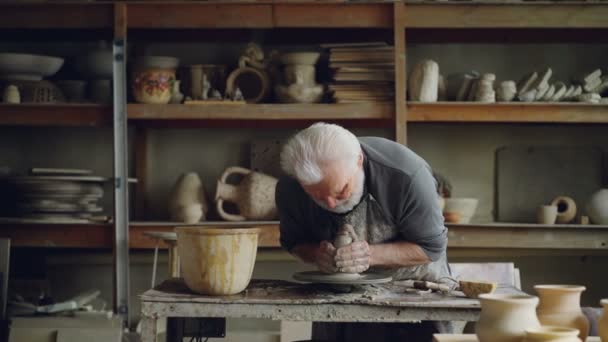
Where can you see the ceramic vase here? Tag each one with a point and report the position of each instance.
(153, 86)
(547, 333)
(300, 84)
(566, 209)
(546, 214)
(560, 306)
(187, 202)
(253, 196)
(506, 317)
(603, 322)
(424, 82)
(217, 261)
(597, 208)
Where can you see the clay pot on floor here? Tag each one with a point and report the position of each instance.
(506, 317)
(217, 261)
(603, 322)
(254, 195)
(560, 306)
(547, 333)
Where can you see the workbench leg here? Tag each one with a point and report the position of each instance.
(148, 329)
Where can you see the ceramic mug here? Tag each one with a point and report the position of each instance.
(546, 214)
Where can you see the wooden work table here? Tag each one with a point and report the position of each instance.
(282, 300)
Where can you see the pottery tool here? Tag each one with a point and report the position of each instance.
(471, 289)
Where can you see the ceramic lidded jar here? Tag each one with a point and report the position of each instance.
(603, 322)
(505, 317)
(548, 333)
(254, 195)
(560, 306)
(153, 79)
(597, 208)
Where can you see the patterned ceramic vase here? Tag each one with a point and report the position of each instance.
(153, 85)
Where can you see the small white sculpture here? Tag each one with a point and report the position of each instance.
(187, 201)
(215, 94)
(506, 91)
(424, 81)
(238, 95)
(560, 91)
(176, 95)
(549, 94)
(485, 89)
(205, 88)
(528, 96)
(589, 98)
(525, 84)
(11, 95)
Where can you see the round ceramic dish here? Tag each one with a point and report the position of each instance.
(324, 278)
(26, 67)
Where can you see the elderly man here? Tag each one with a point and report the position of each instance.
(384, 191)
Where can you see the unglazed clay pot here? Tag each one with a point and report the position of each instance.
(506, 317)
(597, 208)
(254, 195)
(547, 333)
(603, 322)
(187, 202)
(424, 81)
(560, 306)
(153, 86)
(566, 209)
(217, 261)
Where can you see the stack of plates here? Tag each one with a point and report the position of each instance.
(53, 198)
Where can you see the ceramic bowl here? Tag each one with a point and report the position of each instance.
(464, 207)
(26, 67)
(217, 261)
(157, 62)
(306, 58)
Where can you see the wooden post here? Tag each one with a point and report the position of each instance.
(400, 73)
(141, 171)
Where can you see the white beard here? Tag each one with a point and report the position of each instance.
(346, 205)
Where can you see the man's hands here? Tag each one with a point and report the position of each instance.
(325, 257)
(354, 258)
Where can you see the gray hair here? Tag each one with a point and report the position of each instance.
(317, 146)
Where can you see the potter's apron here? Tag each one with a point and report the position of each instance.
(370, 224)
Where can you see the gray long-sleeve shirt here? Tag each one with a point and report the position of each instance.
(400, 181)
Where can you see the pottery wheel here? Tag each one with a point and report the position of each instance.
(342, 278)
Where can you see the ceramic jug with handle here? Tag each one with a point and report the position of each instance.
(253, 196)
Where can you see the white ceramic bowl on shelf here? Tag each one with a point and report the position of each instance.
(464, 207)
(27, 67)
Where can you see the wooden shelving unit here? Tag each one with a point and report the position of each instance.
(55, 115)
(511, 112)
(56, 15)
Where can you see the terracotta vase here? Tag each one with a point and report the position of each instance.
(254, 195)
(505, 317)
(217, 261)
(603, 322)
(153, 86)
(187, 202)
(560, 306)
(547, 333)
(597, 209)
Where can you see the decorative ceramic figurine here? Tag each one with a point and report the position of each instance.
(254, 195)
(424, 81)
(560, 306)
(597, 208)
(187, 202)
(300, 84)
(11, 95)
(485, 89)
(506, 317)
(238, 95)
(205, 87)
(176, 95)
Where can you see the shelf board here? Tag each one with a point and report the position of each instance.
(571, 15)
(481, 236)
(259, 14)
(56, 15)
(511, 112)
(359, 111)
(55, 114)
